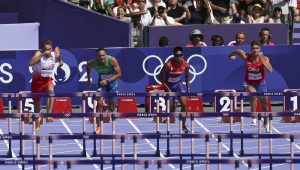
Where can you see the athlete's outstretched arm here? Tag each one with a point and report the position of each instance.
(238, 52)
(57, 54)
(266, 62)
(36, 58)
(187, 77)
(162, 75)
(114, 63)
(89, 67)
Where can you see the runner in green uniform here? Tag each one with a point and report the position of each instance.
(109, 71)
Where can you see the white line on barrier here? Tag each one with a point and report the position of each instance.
(138, 130)
(12, 152)
(200, 124)
(78, 143)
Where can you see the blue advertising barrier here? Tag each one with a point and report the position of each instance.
(179, 35)
(210, 70)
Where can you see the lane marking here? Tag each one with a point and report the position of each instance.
(147, 140)
(77, 142)
(235, 155)
(12, 152)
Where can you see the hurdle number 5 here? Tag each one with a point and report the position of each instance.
(295, 102)
(225, 102)
(162, 103)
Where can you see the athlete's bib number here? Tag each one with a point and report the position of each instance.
(106, 76)
(174, 79)
(47, 73)
(254, 76)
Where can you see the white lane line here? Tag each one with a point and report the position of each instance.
(235, 155)
(297, 146)
(77, 142)
(138, 130)
(12, 152)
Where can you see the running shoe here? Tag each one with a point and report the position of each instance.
(98, 130)
(49, 119)
(37, 126)
(267, 128)
(185, 129)
(253, 123)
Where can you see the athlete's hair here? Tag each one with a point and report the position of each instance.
(265, 29)
(256, 42)
(100, 49)
(178, 48)
(240, 32)
(46, 42)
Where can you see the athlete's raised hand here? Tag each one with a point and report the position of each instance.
(233, 57)
(260, 54)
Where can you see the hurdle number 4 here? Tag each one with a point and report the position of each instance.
(295, 103)
(162, 103)
(225, 102)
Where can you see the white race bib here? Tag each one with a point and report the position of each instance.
(174, 79)
(47, 73)
(106, 76)
(254, 76)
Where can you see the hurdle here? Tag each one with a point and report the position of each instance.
(270, 136)
(8, 96)
(22, 129)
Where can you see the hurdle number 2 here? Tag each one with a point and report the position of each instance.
(225, 102)
(295, 103)
(83, 78)
(162, 103)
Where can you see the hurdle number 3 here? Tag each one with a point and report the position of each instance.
(162, 103)
(225, 102)
(295, 102)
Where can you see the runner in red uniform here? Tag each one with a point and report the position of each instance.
(256, 63)
(43, 63)
(170, 78)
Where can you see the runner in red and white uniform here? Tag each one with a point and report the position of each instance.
(256, 63)
(43, 63)
(170, 78)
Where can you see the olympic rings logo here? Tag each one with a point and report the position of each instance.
(67, 115)
(159, 67)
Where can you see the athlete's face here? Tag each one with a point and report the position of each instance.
(255, 49)
(196, 38)
(264, 35)
(240, 38)
(101, 55)
(47, 50)
(178, 56)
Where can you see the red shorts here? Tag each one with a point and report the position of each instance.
(39, 87)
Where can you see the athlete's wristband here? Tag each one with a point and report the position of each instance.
(107, 81)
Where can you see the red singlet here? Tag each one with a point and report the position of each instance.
(255, 72)
(174, 75)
